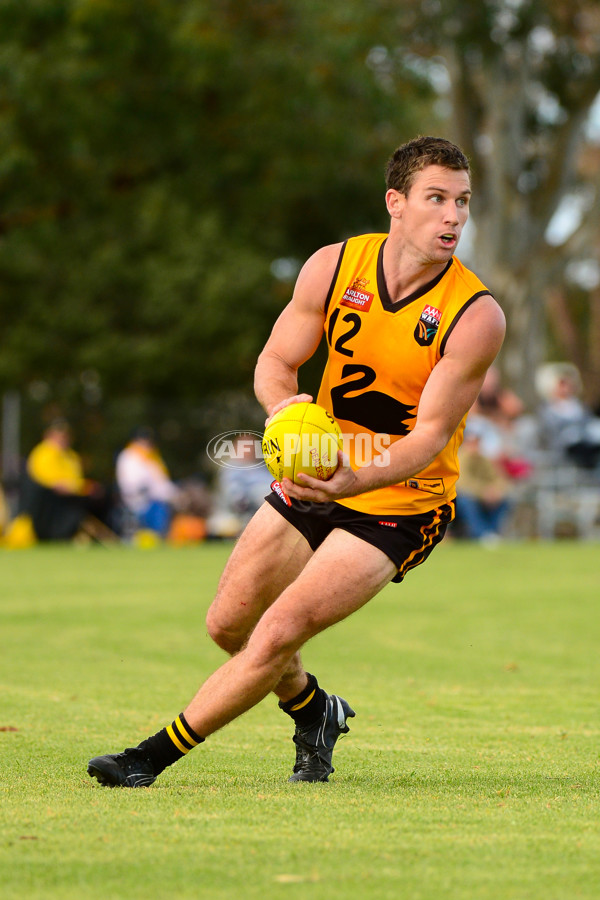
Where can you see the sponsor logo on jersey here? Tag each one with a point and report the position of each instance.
(389, 524)
(356, 297)
(277, 489)
(427, 326)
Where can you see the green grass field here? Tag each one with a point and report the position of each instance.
(472, 769)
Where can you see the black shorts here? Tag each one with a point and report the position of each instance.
(407, 540)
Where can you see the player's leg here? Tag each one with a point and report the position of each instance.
(342, 575)
(269, 555)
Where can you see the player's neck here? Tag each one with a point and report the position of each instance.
(405, 273)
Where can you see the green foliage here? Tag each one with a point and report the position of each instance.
(155, 159)
(470, 771)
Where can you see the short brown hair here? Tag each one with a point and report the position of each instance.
(412, 157)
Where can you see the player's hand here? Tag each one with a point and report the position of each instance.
(343, 483)
(297, 398)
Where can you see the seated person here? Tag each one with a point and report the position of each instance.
(505, 429)
(483, 499)
(55, 488)
(241, 486)
(569, 430)
(146, 489)
(245, 481)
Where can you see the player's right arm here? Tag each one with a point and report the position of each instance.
(296, 333)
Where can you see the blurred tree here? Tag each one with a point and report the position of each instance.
(520, 78)
(165, 167)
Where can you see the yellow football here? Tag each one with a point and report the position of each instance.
(302, 437)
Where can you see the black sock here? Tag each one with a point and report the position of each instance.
(170, 744)
(308, 706)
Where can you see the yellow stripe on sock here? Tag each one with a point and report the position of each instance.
(304, 702)
(175, 739)
(186, 733)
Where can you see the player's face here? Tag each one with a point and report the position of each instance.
(432, 216)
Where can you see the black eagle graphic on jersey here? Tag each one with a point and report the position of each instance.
(372, 409)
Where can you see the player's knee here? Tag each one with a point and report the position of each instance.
(275, 643)
(226, 636)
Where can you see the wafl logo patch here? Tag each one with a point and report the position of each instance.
(356, 297)
(427, 326)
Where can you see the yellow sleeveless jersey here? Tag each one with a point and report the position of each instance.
(380, 356)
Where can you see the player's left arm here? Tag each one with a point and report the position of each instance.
(449, 393)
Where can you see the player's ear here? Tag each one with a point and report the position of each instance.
(394, 201)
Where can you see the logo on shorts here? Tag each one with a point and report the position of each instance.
(427, 326)
(356, 297)
(277, 489)
(389, 524)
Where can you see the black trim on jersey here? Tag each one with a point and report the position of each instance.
(454, 321)
(335, 277)
(387, 302)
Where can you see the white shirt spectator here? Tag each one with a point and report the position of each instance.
(142, 477)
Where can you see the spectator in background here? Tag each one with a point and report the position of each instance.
(241, 487)
(54, 464)
(568, 429)
(506, 434)
(497, 403)
(484, 489)
(144, 484)
(56, 494)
